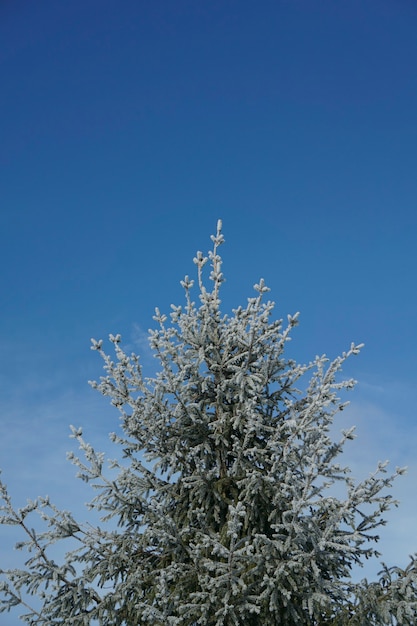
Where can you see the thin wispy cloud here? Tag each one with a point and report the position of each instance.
(386, 434)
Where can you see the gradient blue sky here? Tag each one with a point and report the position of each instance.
(128, 128)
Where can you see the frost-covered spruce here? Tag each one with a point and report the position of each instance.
(223, 501)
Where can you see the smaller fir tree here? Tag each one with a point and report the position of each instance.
(224, 498)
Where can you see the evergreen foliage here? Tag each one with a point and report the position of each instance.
(231, 504)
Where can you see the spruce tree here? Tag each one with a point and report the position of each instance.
(229, 504)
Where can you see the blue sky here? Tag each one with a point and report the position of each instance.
(128, 129)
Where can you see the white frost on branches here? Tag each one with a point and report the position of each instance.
(222, 511)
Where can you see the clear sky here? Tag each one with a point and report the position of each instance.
(127, 129)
